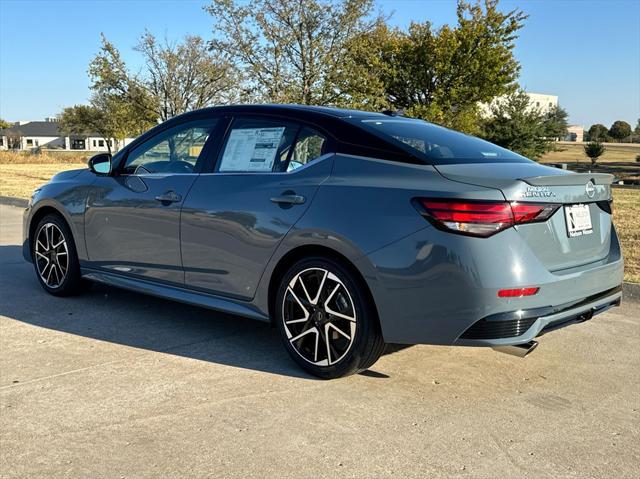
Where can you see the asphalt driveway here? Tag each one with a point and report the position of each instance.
(114, 384)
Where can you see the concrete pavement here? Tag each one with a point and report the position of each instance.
(115, 384)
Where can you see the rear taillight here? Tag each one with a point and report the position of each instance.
(482, 218)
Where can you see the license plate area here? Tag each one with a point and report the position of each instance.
(578, 218)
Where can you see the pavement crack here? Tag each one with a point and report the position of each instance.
(73, 371)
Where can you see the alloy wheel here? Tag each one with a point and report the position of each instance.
(51, 255)
(319, 316)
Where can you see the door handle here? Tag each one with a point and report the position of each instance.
(289, 199)
(169, 197)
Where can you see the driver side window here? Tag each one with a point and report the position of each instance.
(174, 151)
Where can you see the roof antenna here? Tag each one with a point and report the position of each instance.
(399, 112)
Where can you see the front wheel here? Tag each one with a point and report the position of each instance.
(55, 258)
(325, 320)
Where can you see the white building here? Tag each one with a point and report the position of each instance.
(46, 135)
(575, 133)
(541, 101)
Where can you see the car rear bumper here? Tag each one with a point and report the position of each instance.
(433, 287)
(522, 326)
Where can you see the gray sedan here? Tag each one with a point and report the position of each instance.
(346, 230)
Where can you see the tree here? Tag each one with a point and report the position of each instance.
(620, 130)
(594, 150)
(4, 124)
(176, 78)
(443, 74)
(556, 123)
(516, 125)
(598, 132)
(84, 120)
(291, 51)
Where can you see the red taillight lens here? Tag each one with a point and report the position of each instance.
(517, 292)
(532, 212)
(483, 218)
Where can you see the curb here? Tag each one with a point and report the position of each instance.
(11, 201)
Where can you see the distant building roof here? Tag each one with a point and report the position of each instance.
(35, 128)
(41, 128)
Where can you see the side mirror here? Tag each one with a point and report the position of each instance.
(100, 164)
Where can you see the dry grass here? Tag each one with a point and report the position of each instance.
(568, 152)
(619, 159)
(626, 216)
(45, 158)
(20, 179)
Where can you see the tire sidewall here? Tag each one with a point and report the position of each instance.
(354, 357)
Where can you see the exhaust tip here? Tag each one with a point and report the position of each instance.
(519, 350)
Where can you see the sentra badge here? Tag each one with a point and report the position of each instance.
(538, 192)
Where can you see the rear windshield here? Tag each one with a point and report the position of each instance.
(438, 145)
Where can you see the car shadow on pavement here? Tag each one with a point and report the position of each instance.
(118, 316)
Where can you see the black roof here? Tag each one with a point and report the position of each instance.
(339, 123)
(35, 128)
(295, 108)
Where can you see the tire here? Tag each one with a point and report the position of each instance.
(319, 299)
(55, 258)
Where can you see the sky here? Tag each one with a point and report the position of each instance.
(587, 52)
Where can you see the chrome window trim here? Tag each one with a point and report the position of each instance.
(252, 173)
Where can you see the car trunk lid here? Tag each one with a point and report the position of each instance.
(558, 243)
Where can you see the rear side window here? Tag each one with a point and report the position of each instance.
(309, 145)
(257, 146)
(439, 145)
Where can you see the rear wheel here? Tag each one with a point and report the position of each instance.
(325, 320)
(55, 258)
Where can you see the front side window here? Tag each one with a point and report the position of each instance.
(175, 150)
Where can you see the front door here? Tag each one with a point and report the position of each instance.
(234, 218)
(132, 220)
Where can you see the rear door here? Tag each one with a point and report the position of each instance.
(266, 175)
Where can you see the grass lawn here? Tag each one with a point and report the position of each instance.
(626, 216)
(619, 159)
(20, 179)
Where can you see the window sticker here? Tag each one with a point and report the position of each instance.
(251, 149)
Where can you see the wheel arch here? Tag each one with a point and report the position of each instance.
(40, 213)
(304, 251)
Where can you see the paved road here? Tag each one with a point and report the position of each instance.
(113, 384)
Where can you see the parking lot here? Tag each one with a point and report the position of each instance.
(115, 384)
